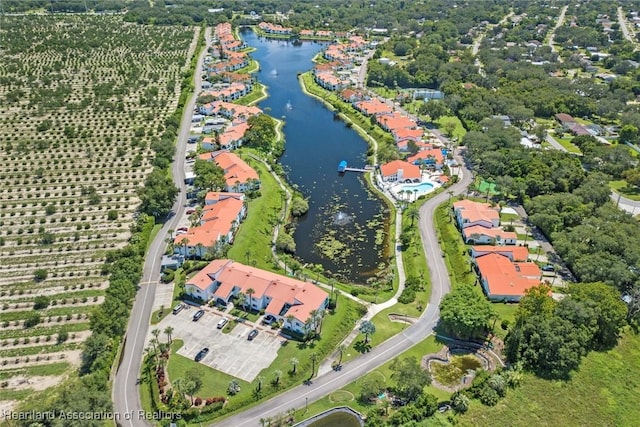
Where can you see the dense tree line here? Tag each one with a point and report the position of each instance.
(550, 337)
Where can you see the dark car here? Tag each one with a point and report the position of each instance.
(252, 334)
(201, 354)
(198, 315)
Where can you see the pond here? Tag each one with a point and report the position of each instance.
(337, 419)
(345, 228)
(451, 374)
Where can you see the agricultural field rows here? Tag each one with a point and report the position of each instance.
(84, 99)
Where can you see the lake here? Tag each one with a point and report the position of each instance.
(345, 228)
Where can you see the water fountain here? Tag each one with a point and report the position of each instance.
(342, 218)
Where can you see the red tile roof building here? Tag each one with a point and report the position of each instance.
(238, 175)
(399, 170)
(217, 227)
(503, 280)
(279, 296)
(469, 213)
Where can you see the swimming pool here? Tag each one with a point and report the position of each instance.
(417, 189)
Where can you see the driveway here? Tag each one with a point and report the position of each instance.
(231, 353)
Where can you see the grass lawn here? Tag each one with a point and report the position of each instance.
(628, 191)
(566, 143)
(508, 217)
(603, 392)
(456, 256)
(253, 241)
(459, 130)
(484, 186)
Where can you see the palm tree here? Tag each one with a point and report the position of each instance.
(154, 342)
(318, 269)
(314, 359)
(242, 297)
(341, 349)
(250, 292)
(260, 379)
(277, 374)
(156, 333)
(313, 314)
(168, 330)
(200, 250)
(415, 194)
(319, 318)
(294, 362)
(185, 242)
(413, 214)
(367, 328)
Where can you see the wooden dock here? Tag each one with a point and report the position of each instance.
(342, 168)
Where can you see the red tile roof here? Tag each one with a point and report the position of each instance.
(409, 170)
(496, 233)
(235, 169)
(436, 153)
(503, 277)
(517, 253)
(474, 211)
(302, 296)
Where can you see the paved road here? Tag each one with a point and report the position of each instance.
(322, 385)
(623, 25)
(559, 23)
(125, 391)
(554, 143)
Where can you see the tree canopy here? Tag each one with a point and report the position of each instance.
(464, 313)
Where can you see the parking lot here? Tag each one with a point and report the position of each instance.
(230, 353)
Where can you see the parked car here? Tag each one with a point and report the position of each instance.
(221, 324)
(548, 267)
(252, 334)
(198, 315)
(185, 229)
(178, 308)
(201, 354)
(190, 211)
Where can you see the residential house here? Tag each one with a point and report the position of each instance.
(469, 214)
(287, 299)
(503, 280)
(399, 170)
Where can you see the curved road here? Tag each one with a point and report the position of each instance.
(322, 385)
(126, 396)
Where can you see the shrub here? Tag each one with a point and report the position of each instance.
(40, 302)
(32, 320)
(112, 215)
(63, 336)
(408, 296)
(40, 274)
